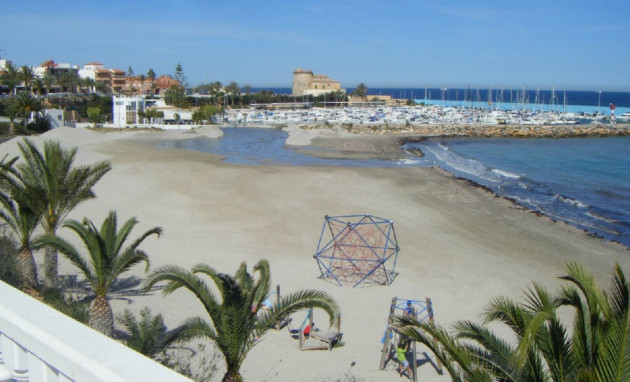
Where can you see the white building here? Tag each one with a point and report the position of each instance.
(89, 70)
(4, 63)
(126, 109)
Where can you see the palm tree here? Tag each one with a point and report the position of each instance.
(27, 104)
(597, 348)
(106, 260)
(27, 76)
(69, 80)
(87, 85)
(234, 327)
(233, 89)
(48, 81)
(38, 87)
(146, 335)
(20, 218)
(142, 78)
(361, 90)
(55, 187)
(151, 78)
(12, 111)
(11, 77)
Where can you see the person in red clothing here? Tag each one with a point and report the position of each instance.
(307, 330)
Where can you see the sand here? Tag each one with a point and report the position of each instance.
(460, 245)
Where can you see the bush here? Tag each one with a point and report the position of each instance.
(9, 272)
(78, 309)
(39, 125)
(149, 336)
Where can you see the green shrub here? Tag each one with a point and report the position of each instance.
(9, 272)
(78, 309)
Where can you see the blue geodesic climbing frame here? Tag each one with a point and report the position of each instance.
(355, 249)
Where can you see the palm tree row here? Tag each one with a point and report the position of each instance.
(595, 348)
(25, 76)
(43, 188)
(48, 186)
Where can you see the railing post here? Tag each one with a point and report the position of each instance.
(14, 358)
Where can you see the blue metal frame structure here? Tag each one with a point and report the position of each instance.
(359, 249)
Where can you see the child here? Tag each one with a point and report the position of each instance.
(401, 352)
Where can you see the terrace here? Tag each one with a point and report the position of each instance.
(37, 344)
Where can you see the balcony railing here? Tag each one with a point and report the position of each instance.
(39, 344)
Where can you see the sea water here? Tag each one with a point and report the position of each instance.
(582, 181)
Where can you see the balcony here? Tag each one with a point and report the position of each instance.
(39, 344)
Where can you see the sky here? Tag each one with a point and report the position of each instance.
(571, 45)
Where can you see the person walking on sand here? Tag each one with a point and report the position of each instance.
(401, 353)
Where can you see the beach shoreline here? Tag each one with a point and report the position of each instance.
(460, 245)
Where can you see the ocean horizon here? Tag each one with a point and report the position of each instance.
(587, 101)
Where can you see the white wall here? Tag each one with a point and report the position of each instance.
(39, 344)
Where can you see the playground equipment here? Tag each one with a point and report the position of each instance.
(283, 321)
(355, 249)
(418, 309)
(311, 338)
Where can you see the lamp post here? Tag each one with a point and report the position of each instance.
(599, 102)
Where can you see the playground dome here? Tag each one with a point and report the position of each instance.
(357, 249)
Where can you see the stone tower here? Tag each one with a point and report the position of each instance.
(302, 80)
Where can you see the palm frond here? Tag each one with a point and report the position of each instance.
(70, 252)
(177, 277)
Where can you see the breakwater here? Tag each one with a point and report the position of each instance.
(456, 130)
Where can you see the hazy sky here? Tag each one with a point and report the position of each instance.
(570, 44)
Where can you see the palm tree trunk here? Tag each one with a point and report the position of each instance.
(51, 279)
(101, 316)
(26, 264)
(232, 376)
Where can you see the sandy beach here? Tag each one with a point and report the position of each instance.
(459, 245)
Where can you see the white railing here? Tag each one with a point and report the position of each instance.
(39, 344)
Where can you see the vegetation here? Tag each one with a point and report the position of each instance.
(176, 96)
(16, 211)
(52, 187)
(205, 113)
(149, 336)
(106, 259)
(151, 114)
(234, 327)
(94, 114)
(595, 348)
(361, 90)
(9, 270)
(78, 309)
(180, 76)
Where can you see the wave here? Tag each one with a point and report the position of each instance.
(468, 166)
(603, 218)
(506, 174)
(570, 201)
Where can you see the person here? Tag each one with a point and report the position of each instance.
(401, 354)
(307, 330)
(266, 305)
(409, 310)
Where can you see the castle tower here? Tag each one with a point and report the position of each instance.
(302, 80)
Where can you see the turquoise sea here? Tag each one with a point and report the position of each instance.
(582, 181)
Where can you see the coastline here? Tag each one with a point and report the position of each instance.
(460, 245)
